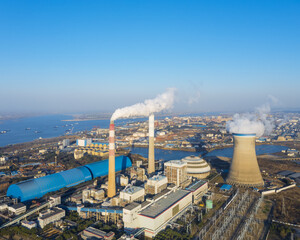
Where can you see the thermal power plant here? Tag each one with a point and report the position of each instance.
(151, 158)
(244, 170)
(38, 187)
(111, 190)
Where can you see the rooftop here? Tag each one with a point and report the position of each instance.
(158, 207)
(18, 205)
(132, 205)
(132, 189)
(52, 212)
(157, 178)
(195, 185)
(175, 163)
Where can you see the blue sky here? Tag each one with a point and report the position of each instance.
(81, 56)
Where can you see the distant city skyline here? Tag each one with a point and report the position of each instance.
(97, 56)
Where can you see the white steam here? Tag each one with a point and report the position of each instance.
(257, 122)
(162, 102)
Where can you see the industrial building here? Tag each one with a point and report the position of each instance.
(197, 167)
(132, 193)
(198, 189)
(17, 209)
(176, 171)
(154, 217)
(93, 233)
(156, 184)
(38, 187)
(93, 195)
(50, 216)
(244, 170)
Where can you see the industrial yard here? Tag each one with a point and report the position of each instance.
(92, 185)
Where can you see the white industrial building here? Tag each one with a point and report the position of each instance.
(197, 167)
(154, 216)
(92, 195)
(156, 184)
(198, 189)
(132, 193)
(3, 159)
(28, 224)
(83, 142)
(17, 209)
(50, 216)
(176, 172)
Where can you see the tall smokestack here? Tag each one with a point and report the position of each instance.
(244, 169)
(111, 191)
(151, 163)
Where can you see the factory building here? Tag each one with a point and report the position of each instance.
(154, 217)
(156, 184)
(93, 233)
(133, 193)
(50, 216)
(197, 167)
(28, 224)
(38, 187)
(17, 209)
(83, 142)
(92, 195)
(176, 172)
(198, 189)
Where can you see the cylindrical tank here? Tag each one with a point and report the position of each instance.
(244, 169)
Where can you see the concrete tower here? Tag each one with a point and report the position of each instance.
(151, 159)
(111, 191)
(244, 169)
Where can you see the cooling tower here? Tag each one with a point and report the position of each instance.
(111, 191)
(244, 169)
(151, 163)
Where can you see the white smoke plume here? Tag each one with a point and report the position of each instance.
(257, 122)
(162, 102)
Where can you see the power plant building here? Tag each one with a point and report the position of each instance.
(133, 193)
(176, 171)
(197, 167)
(244, 170)
(38, 187)
(155, 216)
(156, 184)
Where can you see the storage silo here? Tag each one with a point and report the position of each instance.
(244, 169)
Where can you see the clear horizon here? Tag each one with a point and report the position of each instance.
(97, 56)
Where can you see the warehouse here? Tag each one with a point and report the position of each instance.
(154, 217)
(38, 187)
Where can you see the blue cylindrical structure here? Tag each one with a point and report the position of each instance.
(38, 187)
(99, 169)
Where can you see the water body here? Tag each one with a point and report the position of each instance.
(167, 155)
(31, 128)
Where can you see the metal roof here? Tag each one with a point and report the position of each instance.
(38, 187)
(195, 185)
(285, 173)
(226, 187)
(158, 207)
(294, 175)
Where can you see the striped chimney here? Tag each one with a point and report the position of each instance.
(111, 191)
(151, 163)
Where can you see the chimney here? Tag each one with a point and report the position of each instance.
(111, 191)
(244, 170)
(151, 159)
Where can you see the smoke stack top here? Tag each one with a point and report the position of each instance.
(252, 123)
(162, 102)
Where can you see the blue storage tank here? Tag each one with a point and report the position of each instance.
(38, 187)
